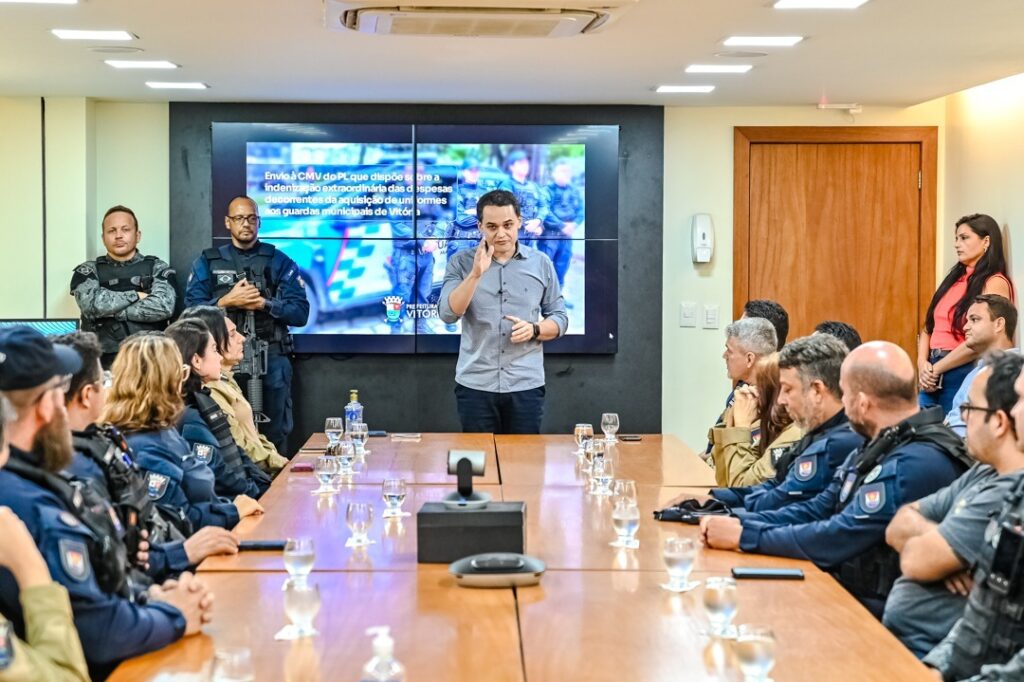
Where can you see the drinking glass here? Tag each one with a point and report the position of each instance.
(626, 521)
(325, 467)
(583, 434)
(232, 664)
(601, 476)
(301, 604)
(624, 489)
(610, 426)
(720, 604)
(334, 427)
(678, 554)
(596, 451)
(755, 652)
(393, 492)
(346, 456)
(359, 432)
(359, 516)
(299, 555)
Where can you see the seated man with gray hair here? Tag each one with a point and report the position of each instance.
(746, 341)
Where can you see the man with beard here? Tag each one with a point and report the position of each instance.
(909, 454)
(34, 375)
(249, 275)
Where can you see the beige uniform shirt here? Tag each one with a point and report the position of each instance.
(52, 652)
(229, 396)
(737, 461)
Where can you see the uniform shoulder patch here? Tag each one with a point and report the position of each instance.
(74, 558)
(156, 485)
(84, 270)
(873, 474)
(777, 453)
(6, 645)
(805, 468)
(872, 497)
(202, 452)
(68, 519)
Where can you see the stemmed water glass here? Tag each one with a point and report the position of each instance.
(626, 521)
(393, 491)
(678, 554)
(325, 469)
(602, 474)
(584, 433)
(299, 556)
(359, 432)
(334, 427)
(720, 605)
(610, 426)
(359, 516)
(755, 652)
(301, 604)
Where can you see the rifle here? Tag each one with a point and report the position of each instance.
(254, 361)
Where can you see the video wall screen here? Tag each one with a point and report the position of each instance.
(372, 213)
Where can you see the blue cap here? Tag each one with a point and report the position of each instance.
(517, 155)
(470, 162)
(29, 359)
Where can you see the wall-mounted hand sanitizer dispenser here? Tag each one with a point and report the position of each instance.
(702, 238)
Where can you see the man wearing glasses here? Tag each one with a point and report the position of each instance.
(122, 292)
(940, 537)
(250, 275)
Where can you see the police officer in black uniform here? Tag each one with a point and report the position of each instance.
(565, 216)
(533, 200)
(250, 275)
(122, 292)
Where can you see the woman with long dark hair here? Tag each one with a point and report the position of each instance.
(943, 360)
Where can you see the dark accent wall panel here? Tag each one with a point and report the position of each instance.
(415, 392)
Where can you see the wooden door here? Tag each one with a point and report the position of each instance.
(838, 230)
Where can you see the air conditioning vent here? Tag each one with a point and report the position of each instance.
(484, 18)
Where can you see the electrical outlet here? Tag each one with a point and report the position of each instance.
(710, 316)
(687, 314)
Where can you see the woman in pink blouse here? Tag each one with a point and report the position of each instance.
(942, 358)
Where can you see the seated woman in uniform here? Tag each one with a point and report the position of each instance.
(145, 403)
(203, 424)
(228, 394)
(758, 433)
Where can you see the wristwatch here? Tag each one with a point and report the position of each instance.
(536, 330)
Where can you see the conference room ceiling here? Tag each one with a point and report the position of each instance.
(888, 52)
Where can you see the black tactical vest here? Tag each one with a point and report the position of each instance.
(136, 276)
(234, 459)
(227, 268)
(992, 628)
(871, 575)
(107, 551)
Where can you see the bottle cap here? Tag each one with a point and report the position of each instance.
(383, 645)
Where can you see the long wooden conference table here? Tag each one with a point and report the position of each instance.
(598, 613)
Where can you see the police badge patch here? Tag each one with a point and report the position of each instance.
(156, 485)
(872, 497)
(873, 474)
(84, 270)
(847, 485)
(74, 559)
(203, 452)
(806, 468)
(777, 453)
(224, 279)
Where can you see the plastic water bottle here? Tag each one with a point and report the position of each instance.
(382, 667)
(354, 409)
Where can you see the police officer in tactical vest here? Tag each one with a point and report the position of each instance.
(533, 200)
(122, 292)
(988, 641)
(245, 276)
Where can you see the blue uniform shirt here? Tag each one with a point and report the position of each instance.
(815, 531)
(289, 306)
(815, 459)
(206, 449)
(111, 628)
(175, 479)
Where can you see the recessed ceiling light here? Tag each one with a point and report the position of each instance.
(679, 89)
(140, 64)
(40, 2)
(762, 41)
(71, 34)
(171, 85)
(819, 4)
(718, 68)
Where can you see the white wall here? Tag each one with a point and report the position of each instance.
(97, 154)
(985, 160)
(698, 179)
(21, 195)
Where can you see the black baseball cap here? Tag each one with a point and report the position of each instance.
(29, 359)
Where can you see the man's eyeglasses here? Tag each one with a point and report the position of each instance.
(967, 407)
(252, 219)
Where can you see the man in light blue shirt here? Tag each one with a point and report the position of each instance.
(507, 296)
(990, 326)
